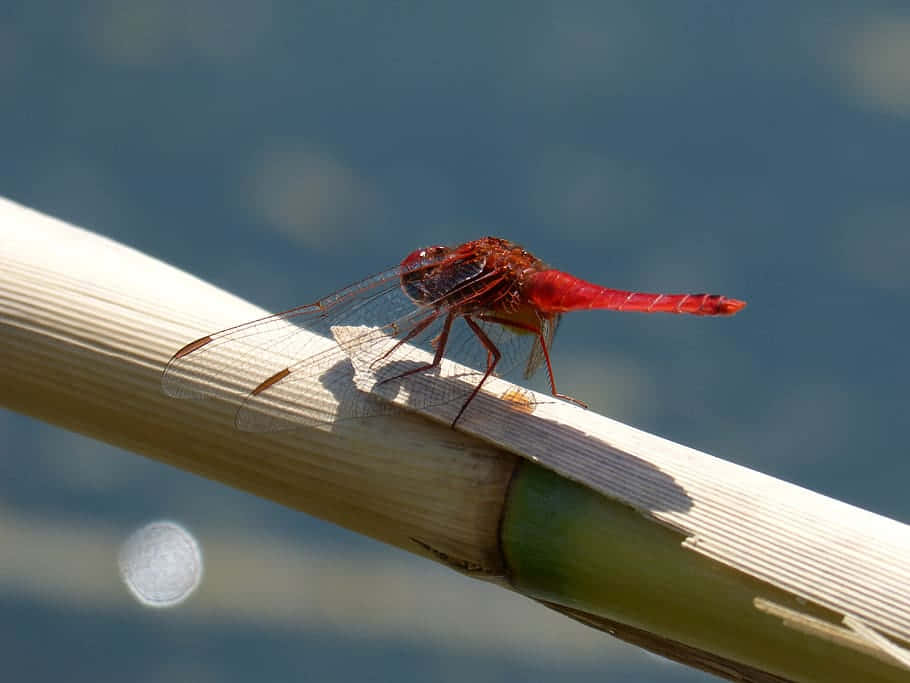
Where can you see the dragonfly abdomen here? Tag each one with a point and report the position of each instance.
(557, 292)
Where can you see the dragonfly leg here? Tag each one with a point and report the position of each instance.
(440, 349)
(536, 330)
(417, 329)
(493, 356)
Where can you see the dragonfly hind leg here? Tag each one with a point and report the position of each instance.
(493, 356)
(507, 322)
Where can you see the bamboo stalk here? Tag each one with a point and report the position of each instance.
(86, 326)
(661, 545)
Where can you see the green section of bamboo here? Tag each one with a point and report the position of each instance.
(567, 544)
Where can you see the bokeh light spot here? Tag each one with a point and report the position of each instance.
(161, 564)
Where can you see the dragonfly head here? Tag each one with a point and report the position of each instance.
(418, 278)
(419, 257)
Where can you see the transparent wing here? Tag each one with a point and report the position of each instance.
(537, 356)
(287, 351)
(222, 364)
(379, 351)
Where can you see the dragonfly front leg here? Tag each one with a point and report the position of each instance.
(417, 329)
(440, 348)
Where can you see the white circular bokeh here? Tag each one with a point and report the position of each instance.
(161, 564)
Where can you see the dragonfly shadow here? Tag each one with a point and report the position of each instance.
(430, 387)
(352, 402)
(389, 380)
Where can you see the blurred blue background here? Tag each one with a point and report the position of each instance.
(283, 150)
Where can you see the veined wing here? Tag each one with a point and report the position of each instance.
(269, 365)
(224, 363)
(394, 353)
(536, 357)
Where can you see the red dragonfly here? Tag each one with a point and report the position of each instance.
(487, 304)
